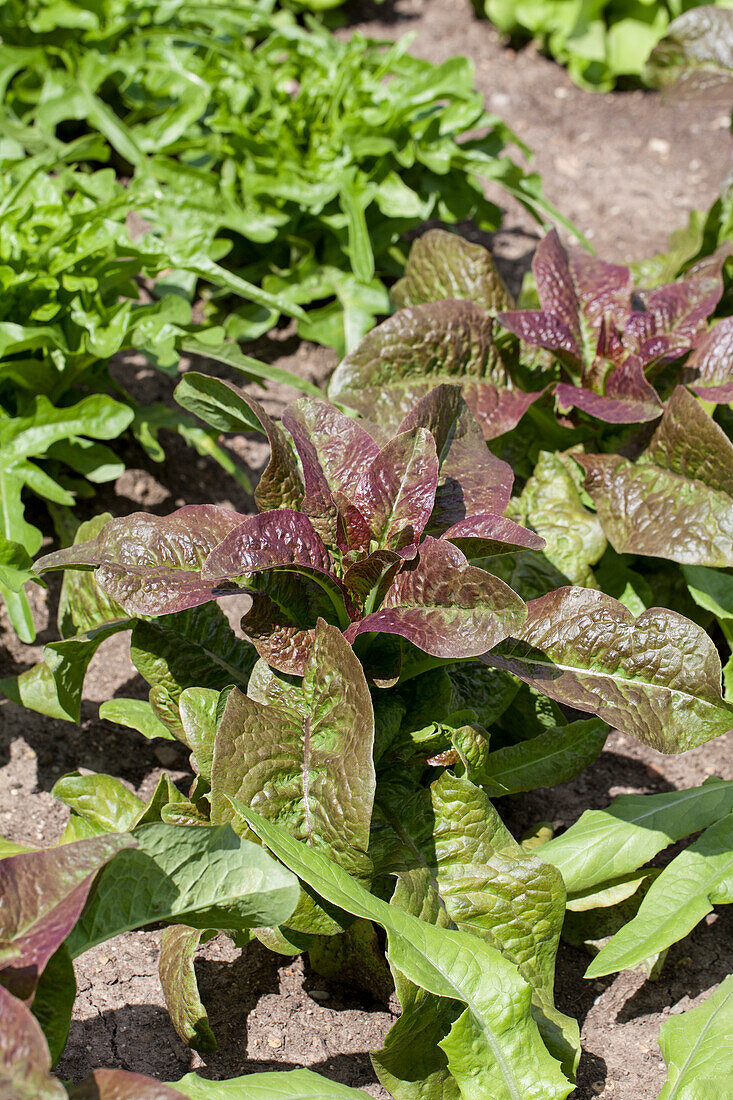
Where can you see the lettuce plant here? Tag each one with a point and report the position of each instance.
(370, 537)
(599, 43)
(608, 340)
(306, 158)
(72, 299)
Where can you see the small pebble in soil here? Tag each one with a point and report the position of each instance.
(320, 995)
(167, 755)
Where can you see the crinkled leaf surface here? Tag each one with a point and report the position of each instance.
(43, 895)
(303, 756)
(656, 677)
(195, 648)
(444, 265)
(682, 895)
(445, 606)
(203, 877)
(397, 491)
(713, 361)
(676, 500)
(576, 292)
(180, 989)
(494, 1047)
(606, 844)
(150, 565)
(551, 505)
(489, 885)
(25, 1064)
(424, 346)
(696, 1047)
(471, 480)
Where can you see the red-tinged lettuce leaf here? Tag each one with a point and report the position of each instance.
(119, 1084)
(674, 316)
(419, 348)
(713, 361)
(628, 397)
(546, 330)
(444, 265)
(445, 606)
(43, 894)
(486, 535)
(333, 448)
(471, 480)
(282, 537)
(497, 408)
(397, 491)
(281, 483)
(676, 500)
(25, 1063)
(376, 569)
(181, 540)
(302, 756)
(656, 678)
(576, 293)
(280, 623)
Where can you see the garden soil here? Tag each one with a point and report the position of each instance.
(627, 168)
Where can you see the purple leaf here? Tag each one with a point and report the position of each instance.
(445, 606)
(535, 326)
(265, 541)
(628, 398)
(419, 348)
(337, 446)
(378, 568)
(497, 408)
(676, 500)
(677, 313)
(713, 360)
(443, 265)
(181, 540)
(603, 289)
(119, 1084)
(471, 480)
(25, 1062)
(145, 591)
(576, 293)
(656, 677)
(397, 491)
(481, 536)
(43, 893)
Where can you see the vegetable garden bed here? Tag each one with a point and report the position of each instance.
(273, 1012)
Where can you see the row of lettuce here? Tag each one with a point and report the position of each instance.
(418, 642)
(506, 528)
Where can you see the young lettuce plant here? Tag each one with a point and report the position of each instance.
(369, 536)
(71, 301)
(302, 156)
(608, 340)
